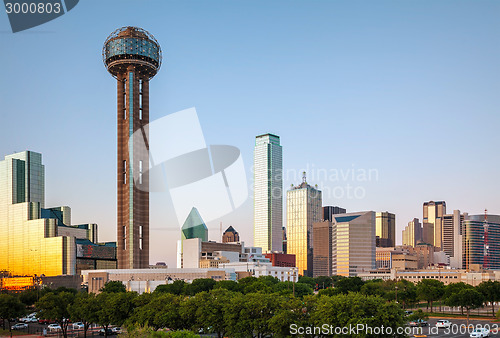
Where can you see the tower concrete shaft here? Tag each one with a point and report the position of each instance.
(132, 175)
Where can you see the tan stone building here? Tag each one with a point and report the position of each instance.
(146, 280)
(396, 258)
(424, 253)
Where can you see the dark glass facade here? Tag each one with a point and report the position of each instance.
(481, 241)
(133, 47)
(329, 211)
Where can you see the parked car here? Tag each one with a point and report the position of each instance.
(480, 333)
(408, 313)
(29, 318)
(443, 323)
(78, 326)
(418, 322)
(116, 330)
(54, 327)
(19, 326)
(109, 332)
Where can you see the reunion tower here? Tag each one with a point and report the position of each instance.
(133, 57)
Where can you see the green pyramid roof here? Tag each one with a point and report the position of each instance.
(194, 227)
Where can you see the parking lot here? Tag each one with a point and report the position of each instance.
(456, 330)
(36, 328)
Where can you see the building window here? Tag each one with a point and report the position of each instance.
(140, 237)
(140, 98)
(124, 171)
(140, 171)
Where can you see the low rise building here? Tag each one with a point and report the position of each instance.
(204, 254)
(398, 258)
(447, 276)
(281, 259)
(424, 253)
(256, 269)
(146, 280)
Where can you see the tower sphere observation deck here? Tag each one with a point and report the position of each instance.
(132, 46)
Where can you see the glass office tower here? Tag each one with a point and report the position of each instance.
(303, 208)
(268, 193)
(385, 229)
(28, 243)
(433, 222)
(35, 240)
(481, 241)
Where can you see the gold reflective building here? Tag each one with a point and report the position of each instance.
(28, 245)
(35, 240)
(433, 223)
(385, 229)
(303, 208)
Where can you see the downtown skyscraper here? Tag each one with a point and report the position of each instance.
(481, 242)
(353, 244)
(385, 229)
(433, 223)
(412, 233)
(268, 193)
(303, 209)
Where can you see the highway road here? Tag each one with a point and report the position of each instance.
(457, 329)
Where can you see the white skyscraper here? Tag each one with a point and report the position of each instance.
(268, 193)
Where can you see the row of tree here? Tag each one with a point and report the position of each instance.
(251, 306)
(464, 296)
(222, 311)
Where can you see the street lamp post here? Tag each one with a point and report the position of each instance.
(441, 300)
(293, 281)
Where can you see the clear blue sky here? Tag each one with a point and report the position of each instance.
(409, 88)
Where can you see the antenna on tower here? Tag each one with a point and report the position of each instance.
(486, 215)
(303, 177)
